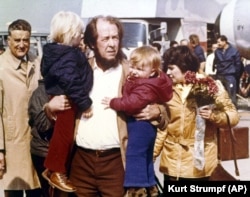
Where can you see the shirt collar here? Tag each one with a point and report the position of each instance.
(95, 67)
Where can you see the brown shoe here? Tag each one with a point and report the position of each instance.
(136, 192)
(59, 180)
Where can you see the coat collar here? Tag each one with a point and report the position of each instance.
(15, 62)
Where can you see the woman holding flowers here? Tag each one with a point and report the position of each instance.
(188, 145)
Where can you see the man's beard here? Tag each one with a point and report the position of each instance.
(106, 63)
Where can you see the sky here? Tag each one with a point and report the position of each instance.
(39, 13)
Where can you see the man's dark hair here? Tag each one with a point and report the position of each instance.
(173, 42)
(19, 24)
(2, 48)
(157, 45)
(90, 34)
(223, 38)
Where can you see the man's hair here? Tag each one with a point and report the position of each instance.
(173, 42)
(222, 38)
(182, 41)
(157, 45)
(90, 34)
(2, 47)
(19, 24)
(194, 39)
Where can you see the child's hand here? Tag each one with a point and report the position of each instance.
(87, 113)
(106, 102)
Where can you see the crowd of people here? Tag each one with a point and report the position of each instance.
(224, 62)
(93, 125)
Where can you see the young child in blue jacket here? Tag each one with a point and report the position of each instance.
(66, 71)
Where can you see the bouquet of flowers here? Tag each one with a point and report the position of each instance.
(203, 90)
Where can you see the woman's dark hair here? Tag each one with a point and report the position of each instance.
(181, 56)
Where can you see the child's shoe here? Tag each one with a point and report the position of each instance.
(59, 180)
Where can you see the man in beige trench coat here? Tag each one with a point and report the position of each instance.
(19, 74)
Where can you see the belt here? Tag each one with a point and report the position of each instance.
(100, 153)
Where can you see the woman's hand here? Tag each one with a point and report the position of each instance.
(205, 111)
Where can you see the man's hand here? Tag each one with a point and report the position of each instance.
(150, 112)
(57, 103)
(87, 113)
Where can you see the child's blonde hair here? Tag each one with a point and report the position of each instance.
(146, 56)
(65, 26)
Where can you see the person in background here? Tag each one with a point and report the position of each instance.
(179, 135)
(20, 71)
(173, 43)
(65, 70)
(245, 82)
(85, 49)
(2, 49)
(210, 67)
(97, 168)
(228, 65)
(42, 129)
(157, 46)
(194, 41)
(145, 84)
(82, 46)
(184, 42)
